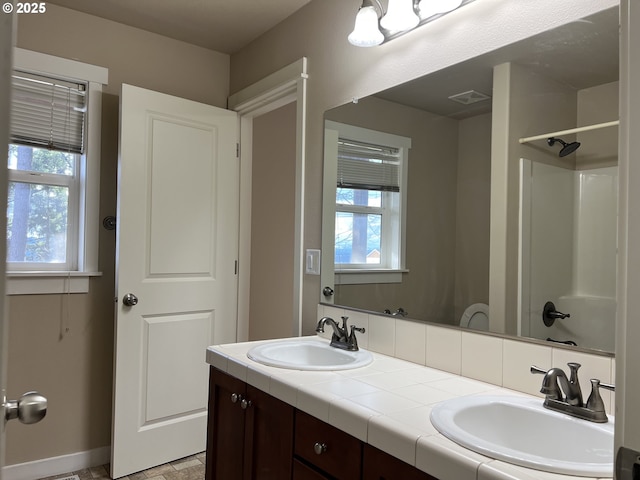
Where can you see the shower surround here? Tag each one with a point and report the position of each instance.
(568, 243)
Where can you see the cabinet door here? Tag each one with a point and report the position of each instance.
(268, 437)
(378, 465)
(225, 428)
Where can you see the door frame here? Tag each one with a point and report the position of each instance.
(281, 88)
(627, 431)
(7, 30)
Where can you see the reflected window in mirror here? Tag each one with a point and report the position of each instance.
(370, 197)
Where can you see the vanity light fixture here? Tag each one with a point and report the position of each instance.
(366, 32)
(429, 8)
(374, 24)
(401, 16)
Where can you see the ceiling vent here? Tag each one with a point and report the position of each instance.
(467, 98)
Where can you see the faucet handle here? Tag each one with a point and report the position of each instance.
(344, 323)
(607, 386)
(539, 370)
(594, 402)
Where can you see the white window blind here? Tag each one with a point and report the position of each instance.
(367, 166)
(47, 112)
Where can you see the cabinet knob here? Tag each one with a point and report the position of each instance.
(244, 403)
(320, 448)
(235, 397)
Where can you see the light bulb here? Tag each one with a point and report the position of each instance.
(366, 32)
(429, 8)
(400, 16)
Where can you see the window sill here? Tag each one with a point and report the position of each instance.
(40, 283)
(364, 276)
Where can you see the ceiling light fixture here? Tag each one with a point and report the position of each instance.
(374, 24)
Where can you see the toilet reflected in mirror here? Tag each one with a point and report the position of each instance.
(476, 317)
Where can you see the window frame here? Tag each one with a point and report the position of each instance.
(75, 280)
(395, 234)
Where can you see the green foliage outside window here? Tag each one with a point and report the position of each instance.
(38, 204)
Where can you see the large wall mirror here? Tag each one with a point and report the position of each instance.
(428, 183)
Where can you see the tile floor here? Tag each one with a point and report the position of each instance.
(189, 468)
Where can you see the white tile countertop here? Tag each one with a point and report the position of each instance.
(386, 404)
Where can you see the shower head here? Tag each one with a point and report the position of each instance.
(567, 148)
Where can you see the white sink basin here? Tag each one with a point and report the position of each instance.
(308, 354)
(521, 431)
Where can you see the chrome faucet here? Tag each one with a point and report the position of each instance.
(564, 394)
(342, 337)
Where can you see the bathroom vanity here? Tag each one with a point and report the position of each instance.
(252, 434)
(367, 423)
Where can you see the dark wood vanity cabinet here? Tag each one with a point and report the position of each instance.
(249, 433)
(254, 436)
(378, 465)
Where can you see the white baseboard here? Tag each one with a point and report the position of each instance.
(47, 467)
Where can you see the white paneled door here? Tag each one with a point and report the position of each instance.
(176, 284)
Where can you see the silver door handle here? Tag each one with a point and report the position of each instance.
(30, 408)
(130, 300)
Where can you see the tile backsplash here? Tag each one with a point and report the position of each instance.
(504, 362)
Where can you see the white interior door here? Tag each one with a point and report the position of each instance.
(177, 243)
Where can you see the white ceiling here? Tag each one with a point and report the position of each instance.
(580, 54)
(222, 25)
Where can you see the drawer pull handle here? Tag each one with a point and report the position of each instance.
(320, 448)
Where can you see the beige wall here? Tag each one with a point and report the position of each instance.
(74, 370)
(132, 55)
(473, 213)
(272, 228)
(599, 148)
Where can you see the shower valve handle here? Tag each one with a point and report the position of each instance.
(550, 314)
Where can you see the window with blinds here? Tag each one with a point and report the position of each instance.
(47, 132)
(368, 167)
(368, 184)
(48, 113)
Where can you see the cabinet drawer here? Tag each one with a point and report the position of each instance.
(303, 472)
(341, 455)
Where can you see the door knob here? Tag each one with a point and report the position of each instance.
(130, 300)
(30, 408)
